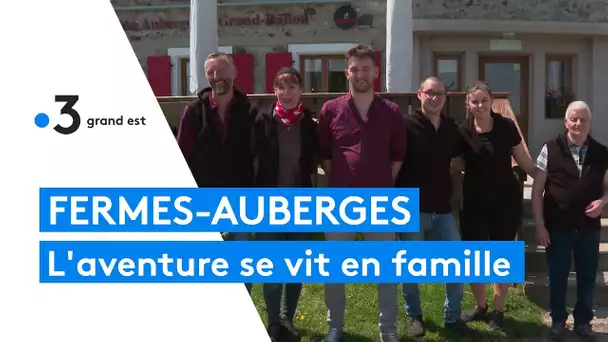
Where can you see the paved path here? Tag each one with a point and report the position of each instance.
(600, 324)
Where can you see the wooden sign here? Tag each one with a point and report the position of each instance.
(266, 19)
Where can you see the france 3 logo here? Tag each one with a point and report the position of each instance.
(68, 109)
(42, 119)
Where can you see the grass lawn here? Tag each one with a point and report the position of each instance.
(522, 318)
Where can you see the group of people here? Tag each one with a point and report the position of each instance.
(363, 140)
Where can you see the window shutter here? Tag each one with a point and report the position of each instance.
(244, 72)
(274, 63)
(159, 75)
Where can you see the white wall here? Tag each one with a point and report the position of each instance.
(599, 89)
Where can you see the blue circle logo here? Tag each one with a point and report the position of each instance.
(42, 120)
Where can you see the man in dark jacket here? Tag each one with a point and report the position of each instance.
(215, 129)
(573, 176)
(215, 132)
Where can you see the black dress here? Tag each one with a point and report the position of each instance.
(492, 197)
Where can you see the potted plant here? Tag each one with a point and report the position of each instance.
(556, 102)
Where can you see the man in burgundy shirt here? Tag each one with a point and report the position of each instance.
(362, 143)
(215, 132)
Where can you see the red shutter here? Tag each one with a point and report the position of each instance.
(159, 75)
(378, 81)
(274, 63)
(244, 71)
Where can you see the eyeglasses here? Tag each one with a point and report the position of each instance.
(431, 94)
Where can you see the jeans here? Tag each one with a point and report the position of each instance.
(273, 292)
(335, 294)
(240, 236)
(584, 246)
(434, 227)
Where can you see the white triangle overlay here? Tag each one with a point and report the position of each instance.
(78, 47)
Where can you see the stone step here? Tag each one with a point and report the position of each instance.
(536, 260)
(527, 211)
(537, 289)
(529, 234)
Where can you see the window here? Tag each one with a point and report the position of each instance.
(449, 69)
(323, 73)
(558, 86)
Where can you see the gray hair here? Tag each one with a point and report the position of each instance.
(578, 105)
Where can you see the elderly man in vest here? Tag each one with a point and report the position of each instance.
(572, 175)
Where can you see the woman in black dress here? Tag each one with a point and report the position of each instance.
(492, 197)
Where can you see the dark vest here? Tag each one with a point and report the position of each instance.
(567, 195)
(222, 164)
(266, 148)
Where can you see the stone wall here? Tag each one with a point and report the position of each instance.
(527, 10)
(154, 31)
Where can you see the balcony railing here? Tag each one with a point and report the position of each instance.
(173, 106)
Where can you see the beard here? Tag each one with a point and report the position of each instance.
(361, 88)
(221, 87)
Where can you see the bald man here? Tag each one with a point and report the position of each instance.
(568, 196)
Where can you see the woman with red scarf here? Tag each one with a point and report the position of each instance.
(284, 147)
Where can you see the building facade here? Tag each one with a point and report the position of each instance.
(545, 53)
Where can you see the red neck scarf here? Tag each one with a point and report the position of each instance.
(289, 116)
